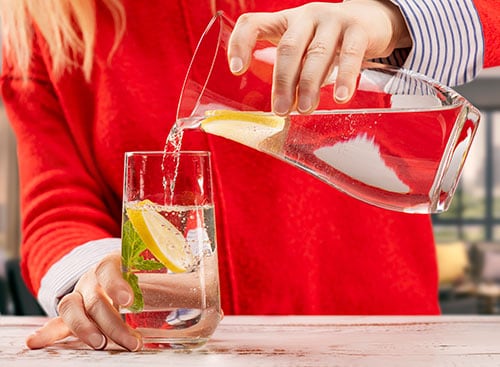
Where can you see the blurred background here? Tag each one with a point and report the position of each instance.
(467, 236)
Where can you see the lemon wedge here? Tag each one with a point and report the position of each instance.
(247, 128)
(161, 237)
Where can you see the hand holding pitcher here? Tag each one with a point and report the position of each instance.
(325, 33)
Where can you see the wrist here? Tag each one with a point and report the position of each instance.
(401, 37)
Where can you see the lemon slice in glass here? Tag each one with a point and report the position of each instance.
(161, 237)
(247, 128)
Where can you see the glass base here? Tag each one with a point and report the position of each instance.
(173, 343)
(185, 328)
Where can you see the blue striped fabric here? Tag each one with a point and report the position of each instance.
(448, 43)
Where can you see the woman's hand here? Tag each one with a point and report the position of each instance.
(89, 312)
(311, 39)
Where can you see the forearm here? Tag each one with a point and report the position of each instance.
(63, 201)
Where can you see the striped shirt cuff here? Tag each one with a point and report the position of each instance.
(63, 275)
(448, 42)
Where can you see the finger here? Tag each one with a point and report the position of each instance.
(316, 66)
(98, 308)
(73, 314)
(109, 277)
(248, 28)
(289, 54)
(52, 331)
(351, 57)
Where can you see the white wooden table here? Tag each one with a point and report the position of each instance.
(471, 341)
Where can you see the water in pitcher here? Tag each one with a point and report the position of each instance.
(389, 158)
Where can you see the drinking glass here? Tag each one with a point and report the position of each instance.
(399, 144)
(169, 250)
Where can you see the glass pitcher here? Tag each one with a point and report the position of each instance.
(400, 143)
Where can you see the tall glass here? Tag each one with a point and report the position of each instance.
(169, 250)
(399, 144)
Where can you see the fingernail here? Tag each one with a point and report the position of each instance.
(124, 298)
(132, 343)
(236, 64)
(305, 104)
(341, 93)
(281, 106)
(97, 341)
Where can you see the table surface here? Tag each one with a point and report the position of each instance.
(288, 341)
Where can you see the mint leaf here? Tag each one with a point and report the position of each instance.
(132, 248)
(143, 264)
(132, 279)
(132, 245)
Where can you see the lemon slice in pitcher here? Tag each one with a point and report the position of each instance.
(247, 128)
(161, 237)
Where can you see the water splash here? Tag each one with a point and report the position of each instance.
(170, 162)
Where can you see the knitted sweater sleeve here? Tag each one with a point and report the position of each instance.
(489, 12)
(63, 205)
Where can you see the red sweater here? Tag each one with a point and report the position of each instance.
(489, 12)
(288, 243)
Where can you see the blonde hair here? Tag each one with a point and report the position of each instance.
(68, 27)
